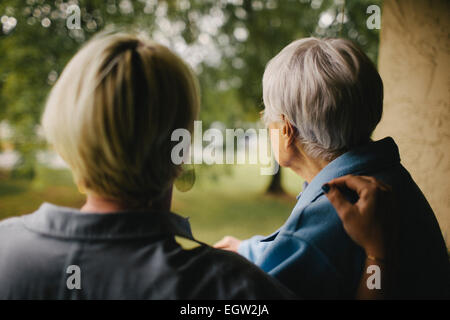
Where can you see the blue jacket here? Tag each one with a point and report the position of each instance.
(313, 256)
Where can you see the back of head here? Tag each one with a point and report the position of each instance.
(329, 90)
(112, 112)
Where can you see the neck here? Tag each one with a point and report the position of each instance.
(307, 167)
(98, 204)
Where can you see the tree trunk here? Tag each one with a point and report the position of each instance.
(275, 186)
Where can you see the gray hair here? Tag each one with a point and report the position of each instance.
(329, 90)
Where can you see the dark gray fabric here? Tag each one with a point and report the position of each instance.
(128, 255)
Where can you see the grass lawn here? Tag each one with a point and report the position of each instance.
(224, 200)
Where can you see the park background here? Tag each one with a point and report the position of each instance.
(227, 43)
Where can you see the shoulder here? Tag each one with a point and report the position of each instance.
(320, 210)
(15, 227)
(17, 241)
(10, 223)
(18, 252)
(237, 278)
(11, 227)
(11, 232)
(319, 218)
(320, 227)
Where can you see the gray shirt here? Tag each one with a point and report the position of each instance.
(61, 253)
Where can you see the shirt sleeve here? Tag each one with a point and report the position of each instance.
(252, 248)
(302, 268)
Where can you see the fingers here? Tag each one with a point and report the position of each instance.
(228, 243)
(343, 207)
(356, 183)
(364, 186)
(360, 184)
(371, 192)
(224, 243)
(383, 186)
(364, 220)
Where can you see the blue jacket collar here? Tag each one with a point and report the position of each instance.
(362, 160)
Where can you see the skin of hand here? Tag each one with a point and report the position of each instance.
(363, 219)
(228, 243)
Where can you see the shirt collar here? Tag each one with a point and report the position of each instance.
(64, 222)
(371, 156)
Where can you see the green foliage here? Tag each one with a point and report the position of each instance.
(244, 33)
(235, 204)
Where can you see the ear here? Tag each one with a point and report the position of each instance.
(81, 189)
(289, 132)
(81, 186)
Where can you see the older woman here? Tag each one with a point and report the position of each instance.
(325, 97)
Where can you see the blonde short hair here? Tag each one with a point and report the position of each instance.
(112, 112)
(329, 90)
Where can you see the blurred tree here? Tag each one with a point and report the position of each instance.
(228, 43)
